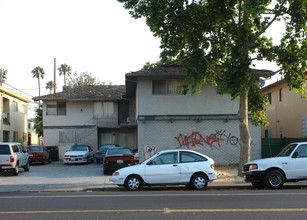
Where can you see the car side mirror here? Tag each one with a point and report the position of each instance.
(295, 155)
(149, 163)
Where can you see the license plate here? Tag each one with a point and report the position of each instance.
(30, 155)
(120, 161)
(72, 159)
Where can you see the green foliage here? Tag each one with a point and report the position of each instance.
(38, 72)
(64, 70)
(217, 42)
(149, 65)
(38, 121)
(50, 85)
(83, 79)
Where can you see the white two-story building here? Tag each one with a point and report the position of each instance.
(92, 115)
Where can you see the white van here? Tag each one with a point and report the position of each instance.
(12, 157)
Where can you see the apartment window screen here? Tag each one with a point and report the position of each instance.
(61, 108)
(268, 133)
(270, 98)
(15, 107)
(15, 136)
(166, 87)
(103, 109)
(56, 108)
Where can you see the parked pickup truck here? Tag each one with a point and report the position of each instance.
(290, 165)
(12, 157)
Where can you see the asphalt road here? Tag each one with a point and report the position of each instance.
(167, 204)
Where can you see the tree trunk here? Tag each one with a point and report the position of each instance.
(245, 137)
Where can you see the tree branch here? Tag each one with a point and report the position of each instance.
(289, 65)
(211, 67)
(270, 23)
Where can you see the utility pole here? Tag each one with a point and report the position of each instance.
(54, 75)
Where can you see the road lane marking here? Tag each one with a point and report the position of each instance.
(159, 210)
(155, 195)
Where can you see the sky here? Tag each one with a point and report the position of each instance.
(95, 36)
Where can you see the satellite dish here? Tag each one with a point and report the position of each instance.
(262, 83)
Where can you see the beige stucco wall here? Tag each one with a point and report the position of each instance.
(18, 121)
(286, 114)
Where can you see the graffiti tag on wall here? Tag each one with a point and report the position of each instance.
(197, 139)
(229, 138)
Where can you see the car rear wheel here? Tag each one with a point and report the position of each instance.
(133, 183)
(16, 170)
(199, 182)
(274, 179)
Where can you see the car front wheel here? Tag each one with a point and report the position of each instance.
(199, 182)
(133, 183)
(274, 179)
(27, 167)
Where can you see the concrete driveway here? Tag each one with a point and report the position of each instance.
(55, 176)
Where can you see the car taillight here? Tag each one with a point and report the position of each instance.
(12, 159)
(98, 153)
(212, 166)
(106, 159)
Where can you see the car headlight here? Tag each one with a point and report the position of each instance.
(253, 167)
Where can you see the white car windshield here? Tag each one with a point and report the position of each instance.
(287, 150)
(78, 148)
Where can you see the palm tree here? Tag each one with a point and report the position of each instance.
(3, 73)
(50, 86)
(64, 69)
(38, 72)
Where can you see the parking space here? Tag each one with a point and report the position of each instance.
(55, 176)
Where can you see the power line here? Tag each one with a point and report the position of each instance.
(19, 90)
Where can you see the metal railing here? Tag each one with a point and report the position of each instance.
(6, 118)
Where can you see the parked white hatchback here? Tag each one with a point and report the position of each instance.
(170, 167)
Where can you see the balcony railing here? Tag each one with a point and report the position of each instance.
(103, 119)
(6, 118)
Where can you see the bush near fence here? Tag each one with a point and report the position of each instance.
(270, 147)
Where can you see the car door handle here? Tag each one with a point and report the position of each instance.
(175, 165)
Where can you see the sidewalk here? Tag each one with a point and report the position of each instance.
(89, 177)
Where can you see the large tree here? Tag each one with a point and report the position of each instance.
(218, 40)
(38, 72)
(83, 79)
(3, 73)
(65, 70)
